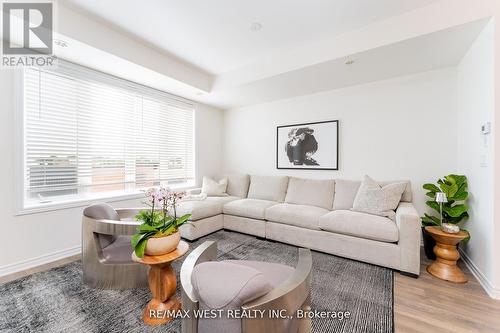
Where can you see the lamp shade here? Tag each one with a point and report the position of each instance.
(441, 197)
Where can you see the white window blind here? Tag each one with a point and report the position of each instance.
(91, 134)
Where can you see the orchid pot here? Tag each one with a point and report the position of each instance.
(162, 244)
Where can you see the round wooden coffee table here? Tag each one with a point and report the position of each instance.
(162, 283)
(445, 267)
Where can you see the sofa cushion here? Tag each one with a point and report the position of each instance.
(361, 225)
(201, 209)
(297, 215)
(218, 290)
(275, 273)
(378, 200)
(312, 192)
(214, 188)
(251, 208)
(272, 188)
(237, 185)
(221, 200)
(346, 190)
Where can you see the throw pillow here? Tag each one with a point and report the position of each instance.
(213, 188)
(378, 200)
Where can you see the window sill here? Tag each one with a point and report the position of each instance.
(82, 202)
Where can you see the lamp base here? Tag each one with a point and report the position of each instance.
(450, 228)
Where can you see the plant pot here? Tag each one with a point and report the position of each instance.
(157, 246)
(429, 244)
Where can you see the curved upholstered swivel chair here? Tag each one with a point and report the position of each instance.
(251, 286)
(106, 249)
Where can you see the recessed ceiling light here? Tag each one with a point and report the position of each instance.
(255, 26)
(60, 42)
(349, 62)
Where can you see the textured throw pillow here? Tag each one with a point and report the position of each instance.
(377, 200)
(213, 188)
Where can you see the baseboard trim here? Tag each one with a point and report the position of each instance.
(37, 261)
(485, 283)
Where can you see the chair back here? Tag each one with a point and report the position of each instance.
(102, 211)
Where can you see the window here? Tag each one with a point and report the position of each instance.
(88, 134)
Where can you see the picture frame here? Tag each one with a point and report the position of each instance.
(308, 146)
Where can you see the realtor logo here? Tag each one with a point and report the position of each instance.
(27, 30)
(34, 27)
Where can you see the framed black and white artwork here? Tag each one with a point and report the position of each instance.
(310, 146)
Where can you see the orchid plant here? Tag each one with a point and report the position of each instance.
(160, 220)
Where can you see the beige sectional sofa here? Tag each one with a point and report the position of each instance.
(311, 213)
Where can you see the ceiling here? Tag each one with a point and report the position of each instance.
(215, 35)
(441, 49)
(205, 50)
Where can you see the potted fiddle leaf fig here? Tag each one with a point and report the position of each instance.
(158, 234)
(453, 211)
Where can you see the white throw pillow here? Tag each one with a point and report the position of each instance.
(213, 188)
(377, 200)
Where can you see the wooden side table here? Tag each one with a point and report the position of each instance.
(162, 283)
(445, 267)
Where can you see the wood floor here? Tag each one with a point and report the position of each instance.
(422, 305)
(430, 305)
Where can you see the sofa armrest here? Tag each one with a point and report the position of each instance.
(194, 191)
(409, 225)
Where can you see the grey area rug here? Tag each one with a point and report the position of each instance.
(57, 301)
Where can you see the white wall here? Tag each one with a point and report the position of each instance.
(476, 107)
(34, 238)
(209, 123)
(403, 128)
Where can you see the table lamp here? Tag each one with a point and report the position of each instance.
(446, 227)
(441, 198)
